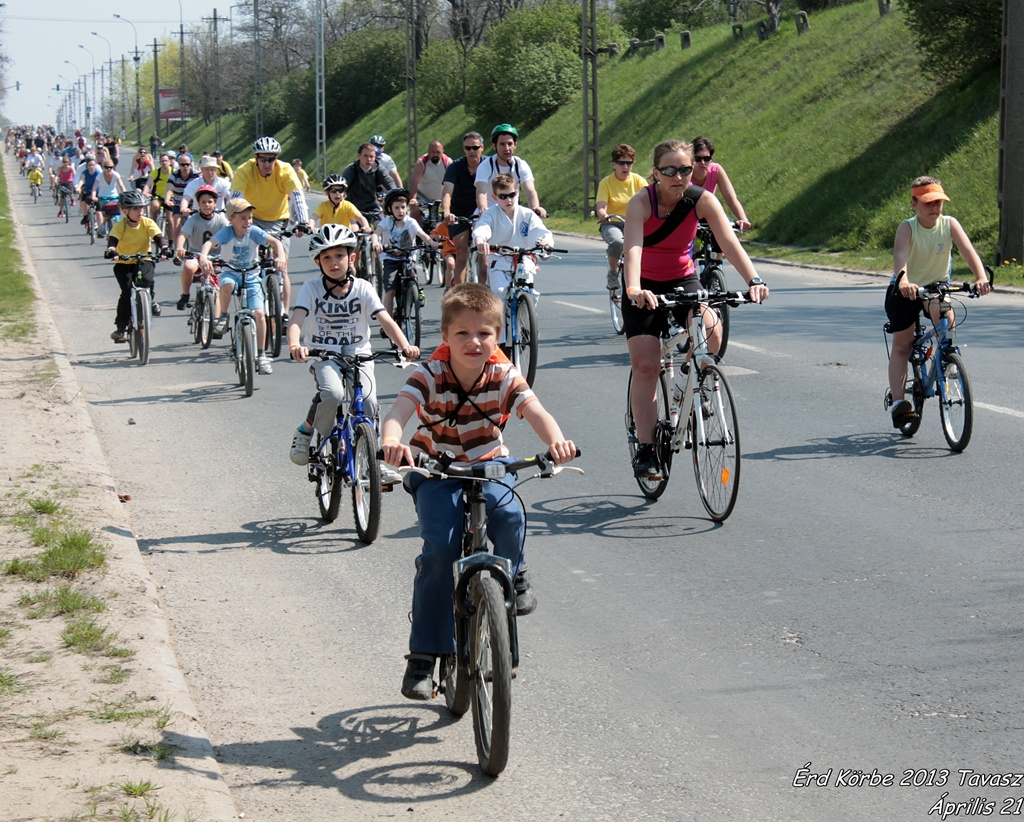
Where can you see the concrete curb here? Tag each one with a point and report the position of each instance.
(156, 654)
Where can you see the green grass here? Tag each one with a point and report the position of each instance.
(123, 710)
(17, 317)
(68, 553)
(63, 600)
(86, 636)
(9, 682)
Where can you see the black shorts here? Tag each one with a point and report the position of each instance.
(902, 313)
(651, 322)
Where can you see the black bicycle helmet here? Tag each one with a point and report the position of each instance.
(132, 198)
(334, 181)
(391, 196)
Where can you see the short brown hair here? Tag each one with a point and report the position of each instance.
(623, 151)
(475, 297)
(502, 181)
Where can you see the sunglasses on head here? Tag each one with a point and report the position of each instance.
(672, 171)
(508, 195)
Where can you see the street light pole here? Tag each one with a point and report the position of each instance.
(138, 99)
(110, 76)
(89, 113)
(181, 74)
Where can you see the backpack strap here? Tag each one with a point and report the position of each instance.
(675, 218)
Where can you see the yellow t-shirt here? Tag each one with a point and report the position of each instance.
(268, 195)
(224, 169)
(345, 214)
(618, 193)
(158, 176)
(134, 240)
(35, 176)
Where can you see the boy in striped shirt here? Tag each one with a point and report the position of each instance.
(462, 395)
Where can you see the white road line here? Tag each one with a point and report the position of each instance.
(581, 307)
(1012, 412)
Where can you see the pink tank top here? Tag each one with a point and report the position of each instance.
(668, 260)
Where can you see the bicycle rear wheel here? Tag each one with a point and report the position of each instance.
(956, 402)
(366, 490)
(91, 226)
(490, 674)
(144, 318)
(247, 357)
(615, 304)
(206, 319)
(525, 344)
(328, 479)
(275, 325)
(652, 487)
(714, 281)
(716, 459)
(915, 390)
(410, 312)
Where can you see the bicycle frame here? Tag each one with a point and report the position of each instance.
(348, 419)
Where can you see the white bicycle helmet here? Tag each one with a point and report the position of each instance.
(331, 235)
(335, 181)
(266, 145)
(378, 140)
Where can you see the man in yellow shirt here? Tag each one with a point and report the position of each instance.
(275, 192)
(223, 166)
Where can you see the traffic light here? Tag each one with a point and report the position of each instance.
(17, 85)
(58, 88)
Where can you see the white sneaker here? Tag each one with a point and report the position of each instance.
(264, 366)
(389, 475)
(300, 448)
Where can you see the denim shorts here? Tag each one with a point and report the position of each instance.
(254, 297)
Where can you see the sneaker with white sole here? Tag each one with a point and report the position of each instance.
(263, 365)
(389, 475)
(300, 447)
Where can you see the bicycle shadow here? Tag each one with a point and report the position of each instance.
(893, 446)
(320, 755)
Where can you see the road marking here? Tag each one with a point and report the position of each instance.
(581, 307)
(1013, 412)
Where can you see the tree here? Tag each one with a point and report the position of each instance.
(957, 38)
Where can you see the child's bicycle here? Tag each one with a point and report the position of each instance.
(615, 294)
(937, 369)
(480, 672)
(36, 188)
(64, 201)
(349, 455)
(141, 322)
(695, 408)
(90, 219)
(200, 316)
(243, 329)
(407, 294)
(430, 258)
(521, 330)
(274, 289)
(369, 264)
(712, 276)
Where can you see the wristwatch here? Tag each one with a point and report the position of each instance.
(756, 281)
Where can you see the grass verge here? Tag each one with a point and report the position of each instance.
(17, 318)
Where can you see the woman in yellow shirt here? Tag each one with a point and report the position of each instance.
(613, 194)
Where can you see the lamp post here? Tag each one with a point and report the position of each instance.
(72, 115)
(181, 73)
(85, 119)
(88, 113)
(110, 73)
(138, 100)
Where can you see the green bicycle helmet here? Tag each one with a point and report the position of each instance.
(504, 128)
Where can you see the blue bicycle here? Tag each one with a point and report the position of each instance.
(349, 455)
(521, 331)
(937, 369)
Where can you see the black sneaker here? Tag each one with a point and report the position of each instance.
(645, 463)
(156, 308)
(118, 335)
(418, 682)
(182, 302)
(902, 413)
(526, 599)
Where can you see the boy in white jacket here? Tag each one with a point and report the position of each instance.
(507, 223)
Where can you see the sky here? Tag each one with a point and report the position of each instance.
(39, 35)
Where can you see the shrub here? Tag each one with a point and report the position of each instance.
(440, 78)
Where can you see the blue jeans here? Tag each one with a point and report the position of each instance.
(440, 511)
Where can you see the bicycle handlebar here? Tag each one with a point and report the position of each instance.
(540, 250)
(352, 358)
(679, 298)
(932, 290)
(445, 467)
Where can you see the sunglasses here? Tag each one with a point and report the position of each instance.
(672, 171)
(335, 191)
(184, 165)
(507, 195)
(265, 159)
(705, 159)
(108, 168)
(472, 148)
(623, 162)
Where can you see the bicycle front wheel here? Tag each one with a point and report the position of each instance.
(956, 402)
(490, 674)
(525, 344)
(410, 309)
(247, 357)
(144, 318)
(275, 324)
(615, 304)
(456, 685)
(328, 485)
(206, 319)
(366, 490)
(91, 227)
(652, 487)
(715, 283)
(716, 458)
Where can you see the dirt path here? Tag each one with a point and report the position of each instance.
(85, 736)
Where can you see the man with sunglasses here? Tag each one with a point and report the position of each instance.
(275, 192)
(458, 199)
(176, 183)
(613, 194)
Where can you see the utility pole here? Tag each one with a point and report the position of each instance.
(591, 143)
(258, 97)
(321, 95)
(216, 73)
(156, 90)
(181, 85)
(412, 137)
(1010, 193)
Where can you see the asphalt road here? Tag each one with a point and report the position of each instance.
(859, 613)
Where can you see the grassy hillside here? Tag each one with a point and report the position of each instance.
(820, 133)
